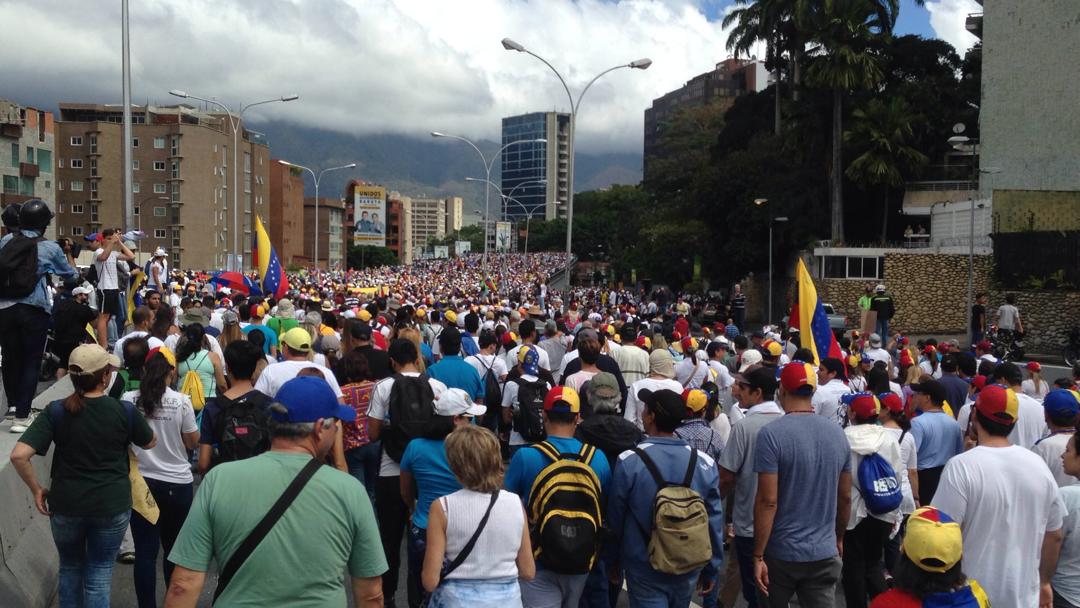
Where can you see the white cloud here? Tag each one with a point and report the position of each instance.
(949, 17)
(371, 66)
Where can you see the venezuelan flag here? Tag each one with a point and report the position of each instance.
(271, 275)
(808, 316)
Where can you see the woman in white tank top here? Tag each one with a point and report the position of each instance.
(488, 577)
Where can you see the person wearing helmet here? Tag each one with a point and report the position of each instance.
(24, 321)
(10, 217)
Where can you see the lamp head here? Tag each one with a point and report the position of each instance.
(541, 140)
(510, 45)
(437, 134)
(292, 97)
(641, 64)
(178, 93)
(760, 201)
(782, 218)
(350, 166)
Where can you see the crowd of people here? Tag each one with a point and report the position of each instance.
(526, 447)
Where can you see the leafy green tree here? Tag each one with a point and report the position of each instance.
(370, 257)
(882, 131)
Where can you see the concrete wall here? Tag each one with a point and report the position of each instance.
(1029, 124)
(1025, 210)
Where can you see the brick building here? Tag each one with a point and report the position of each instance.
(286, 225)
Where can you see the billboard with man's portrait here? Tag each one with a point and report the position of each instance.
(369, 213)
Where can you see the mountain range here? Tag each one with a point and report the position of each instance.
(419, 166)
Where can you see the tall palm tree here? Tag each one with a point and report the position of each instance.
(882, 131)
(761, 21)
(843, 60)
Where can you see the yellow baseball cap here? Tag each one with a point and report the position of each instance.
(695, 399)
(363, 315)
(297, 339)
(933, 540)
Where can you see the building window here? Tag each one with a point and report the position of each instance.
(93, 144)
(135, 164)
(60, 163)
(44, 160)
(11, 184)
(76, 163)
(93, 167)
(176, 169)
(76, 208)
(59, 207)
(159, 165)
(75, 141)
(93, 189)
(159, 188)
(15, 154)
(159, 211)
(30, 154)
(48, 184)
(93, 214)
(134, 142)
(76, 185)
(159, 233)
(175, 145)
(60, 231)
(851, 267)
(135, 188)
(136, 210)
(60, 185)
(159, 143)
(76, 231)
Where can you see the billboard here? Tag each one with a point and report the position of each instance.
(462, 247)
(502, 236)
(442, 252)
(369, 213)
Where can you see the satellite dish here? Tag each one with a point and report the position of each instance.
(959, 128)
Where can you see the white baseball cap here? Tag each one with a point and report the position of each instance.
(456, 402)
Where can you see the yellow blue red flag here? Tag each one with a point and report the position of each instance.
(808, 316)
(271, 275)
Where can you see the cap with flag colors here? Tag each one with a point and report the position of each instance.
(265, 258)
(808, 316)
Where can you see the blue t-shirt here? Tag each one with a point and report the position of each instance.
(937, 438)
(808, 453)
(271, 336)
(426, 460)
(528, 462)
(454, 372)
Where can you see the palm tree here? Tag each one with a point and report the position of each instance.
(843, 60)
(761, 21)
(883, 131)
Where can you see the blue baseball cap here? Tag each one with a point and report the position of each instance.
(1061, 403)
(307, 399)
(529, 358)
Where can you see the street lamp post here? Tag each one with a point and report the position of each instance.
(488, 166)
(509, 198)
(772, 221)
(640, 64)
(235, 120)
(317, 179)
(528, 217)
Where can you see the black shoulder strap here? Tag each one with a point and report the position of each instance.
(467, 549)
(237, 559)
(548, 450)
(690, 468)
(903, 434)
(649, 464)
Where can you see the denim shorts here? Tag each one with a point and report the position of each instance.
(477, 593)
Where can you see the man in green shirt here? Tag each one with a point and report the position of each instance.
(329, 528)
(864, 300)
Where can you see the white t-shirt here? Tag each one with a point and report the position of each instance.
(691, 373)
(1007, 316)
(167, 460)
(277, 374)
(1050, 450)
(118, 350)
(1005, 500)
(909, 456)
(880, 354)
(826, 400)
(162, 271)
(106, 271)
(481, 363)
(1067, 578)
(578, 379)
(1028, 388)
(567, 358)
(379, 410)
(929, 370)
(634, 406)
(510, 400)
(723, 377)
(1030, 427)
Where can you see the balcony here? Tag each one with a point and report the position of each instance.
(974, 24)
(28, 170)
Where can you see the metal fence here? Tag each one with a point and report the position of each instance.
(1037, 259)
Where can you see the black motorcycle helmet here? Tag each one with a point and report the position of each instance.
(35, 215)
(10, 216)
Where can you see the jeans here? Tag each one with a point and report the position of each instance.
(23, 329)
(744, 552)
(553, 590)
(928, 483)
(863, 547)
(813, 582)
(477, 593)
(647, 594)
(417, 545)
(597, 593)
(174, 500)
(976, 337)
(87, 547)
(363, 463)
(892, 546)
(882, 329)
(391, 512)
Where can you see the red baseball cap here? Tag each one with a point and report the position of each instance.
(892, 402)
(798, 376)
(562, 399)
(998, 403)
(862, 405)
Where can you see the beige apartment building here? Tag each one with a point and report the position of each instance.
(27, 137)
(428, 222)
(183, 180)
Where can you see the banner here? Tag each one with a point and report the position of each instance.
(462, 247)
(369, 213)
(442, 252)
(502, 236)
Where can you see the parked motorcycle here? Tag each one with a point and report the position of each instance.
(1008, 344)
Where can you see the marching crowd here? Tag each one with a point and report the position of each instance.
(525, 447)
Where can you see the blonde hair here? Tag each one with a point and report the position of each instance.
(913, 374)
(475, 458)
(659, 343)
(413, 335)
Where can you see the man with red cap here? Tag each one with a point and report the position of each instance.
(1008, 507)
(803, 498)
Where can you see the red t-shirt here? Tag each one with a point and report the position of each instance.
(895, 598)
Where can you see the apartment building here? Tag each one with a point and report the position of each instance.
(27, 140)
(331, 234)
(286, 221)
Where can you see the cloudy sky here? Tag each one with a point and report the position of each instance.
(389, 66)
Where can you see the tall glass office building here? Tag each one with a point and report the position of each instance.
(524, 165)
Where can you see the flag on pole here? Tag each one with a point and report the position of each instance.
(808, 316)
(271, 274)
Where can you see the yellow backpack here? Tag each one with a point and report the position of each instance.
(192, 386)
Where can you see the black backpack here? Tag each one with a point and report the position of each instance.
(19, 267)
(565, 515)
(243, 427)
(411, 411)
(528, 419)
(492, 396)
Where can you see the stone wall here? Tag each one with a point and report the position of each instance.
(1047, 316)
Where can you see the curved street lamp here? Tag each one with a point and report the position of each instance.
(317, 179)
